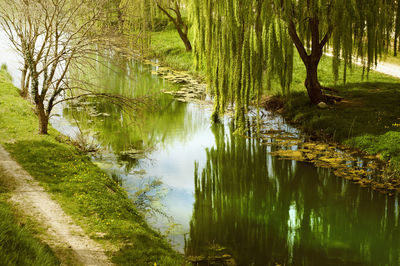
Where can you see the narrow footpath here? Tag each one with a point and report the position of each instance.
(388, 69)
(62, 234)
(382, 67)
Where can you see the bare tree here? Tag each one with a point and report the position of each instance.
(51, 36)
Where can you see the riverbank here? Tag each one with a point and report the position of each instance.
(367, 119)
(94, 201)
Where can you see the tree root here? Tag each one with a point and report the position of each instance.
(333, 98)
(329, 89)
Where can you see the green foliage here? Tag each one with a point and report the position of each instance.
(372, 106)
(230, 40)
(91, 197)
(5, 76)
(136, 19)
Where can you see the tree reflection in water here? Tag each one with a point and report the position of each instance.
(263, 211)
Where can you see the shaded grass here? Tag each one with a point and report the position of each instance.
(18, 246)
(365, 120)
(90, 196)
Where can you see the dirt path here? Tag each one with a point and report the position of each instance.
(387, 68)
(382, 67)
(62, 235)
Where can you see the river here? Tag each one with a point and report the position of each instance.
(216, 193)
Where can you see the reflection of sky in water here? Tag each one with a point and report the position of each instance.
(174, 165)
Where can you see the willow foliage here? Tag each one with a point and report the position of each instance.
(137, 20)
(239, 41)
(231, 44)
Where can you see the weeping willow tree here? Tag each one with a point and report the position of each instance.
(239, 41)
(231, 43)
(137, 21)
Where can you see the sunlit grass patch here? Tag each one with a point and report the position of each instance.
(170, 50)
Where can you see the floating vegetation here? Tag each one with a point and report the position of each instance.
(365, 171)
(132, 154)
(289, 154)
(212, 260)
(191, 90)
(214, 254)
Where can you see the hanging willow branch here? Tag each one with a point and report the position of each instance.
(239, 42)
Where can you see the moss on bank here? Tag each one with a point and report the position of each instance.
(91, 197)
(368, 119)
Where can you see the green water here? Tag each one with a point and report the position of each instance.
(218, 193)
(265, 210)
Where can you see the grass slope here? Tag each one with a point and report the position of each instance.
(368, 119)
(91, 197)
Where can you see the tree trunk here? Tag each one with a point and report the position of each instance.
(24, 88)
(43, 119)
(185, 40)
(180, 25)
(312, 84)
(311, 61)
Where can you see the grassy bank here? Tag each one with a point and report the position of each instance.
(368, 118)
(167, 47)
(91, 197)
(18, 246)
